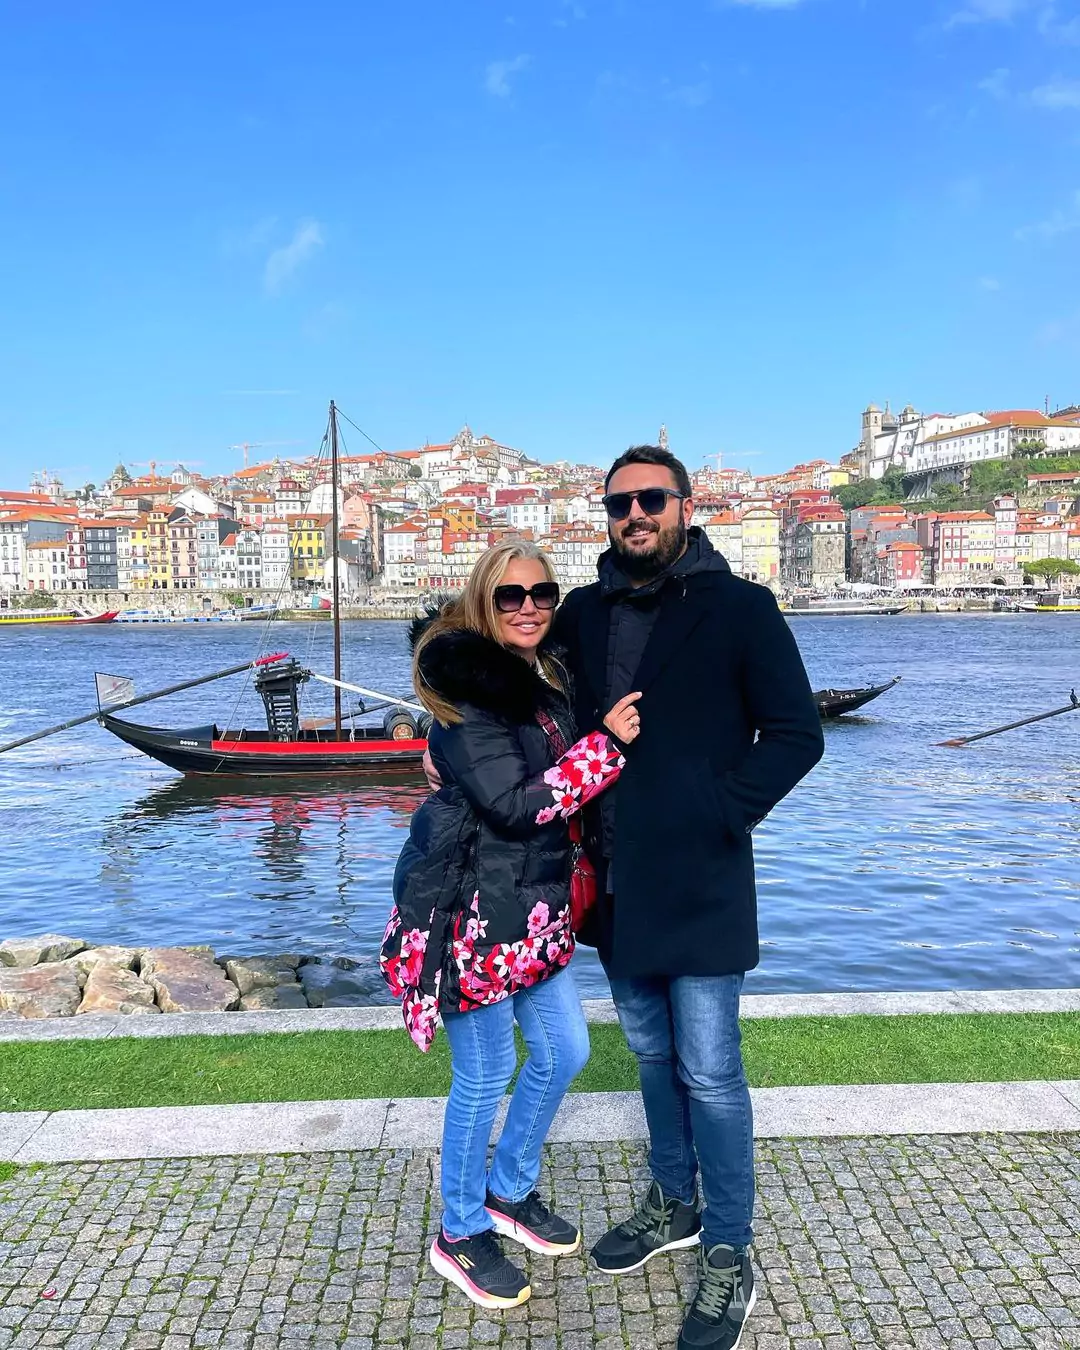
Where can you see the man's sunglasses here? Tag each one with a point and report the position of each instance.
(509, 599)
(653, 501)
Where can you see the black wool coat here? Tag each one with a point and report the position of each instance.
(728, 728)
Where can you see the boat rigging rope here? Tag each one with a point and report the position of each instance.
(286, 581)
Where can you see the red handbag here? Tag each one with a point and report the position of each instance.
(582, 878)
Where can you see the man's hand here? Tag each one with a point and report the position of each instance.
(431, 773)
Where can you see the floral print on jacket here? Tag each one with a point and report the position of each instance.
(482, 972)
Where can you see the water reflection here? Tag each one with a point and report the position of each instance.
(898, 864)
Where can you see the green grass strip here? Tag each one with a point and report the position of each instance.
(323, 1065)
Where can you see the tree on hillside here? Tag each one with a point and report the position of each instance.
(872, 492)
(1029, 447)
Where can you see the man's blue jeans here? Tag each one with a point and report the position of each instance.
(483, 1055)
(685, 1033)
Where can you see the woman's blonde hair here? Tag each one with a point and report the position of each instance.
(474, 609)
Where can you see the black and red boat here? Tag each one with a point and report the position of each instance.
(287, 745)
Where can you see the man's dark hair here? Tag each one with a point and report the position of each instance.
(653, 454)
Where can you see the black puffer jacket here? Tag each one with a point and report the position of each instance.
(481, 888)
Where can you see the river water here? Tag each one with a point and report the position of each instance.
(896, 865)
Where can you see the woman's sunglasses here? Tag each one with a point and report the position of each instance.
(509, 599)
(653, 501)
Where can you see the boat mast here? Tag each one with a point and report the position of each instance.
(336, 549)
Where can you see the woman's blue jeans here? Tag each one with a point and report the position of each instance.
(482, 1050)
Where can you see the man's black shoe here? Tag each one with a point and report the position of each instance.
(724, 1300)
(531, 1223)
(479, 1269)
(660, 1225)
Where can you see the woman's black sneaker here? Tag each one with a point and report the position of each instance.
(531, 1223)
(479, 1269)
(660, 1225)
(724, 1300)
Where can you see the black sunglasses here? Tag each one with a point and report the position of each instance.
(509, 599)
(653, 501)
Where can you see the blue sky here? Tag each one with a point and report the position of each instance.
(563, 221)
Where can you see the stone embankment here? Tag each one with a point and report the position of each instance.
(57, 976)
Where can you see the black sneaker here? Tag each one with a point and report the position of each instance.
(531, 1223)
(479, 1269)
(724, 1300)
(660, 1225)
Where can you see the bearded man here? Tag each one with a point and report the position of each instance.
(728, 727)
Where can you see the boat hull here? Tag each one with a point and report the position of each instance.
(842, 612)
(837, 702)
(206, 750)
(16, 620)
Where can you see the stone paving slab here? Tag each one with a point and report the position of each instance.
(956, 1243)
(206, 1131)
(416, 1122)
(102, 1026)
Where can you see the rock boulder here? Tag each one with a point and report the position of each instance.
(187, 980)
(329, 986)
(113, 989)
(260, 972)
(49, 990)
(279, 998)
(124, 958)
(36, 951)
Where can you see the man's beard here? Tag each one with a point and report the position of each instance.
(670, 544)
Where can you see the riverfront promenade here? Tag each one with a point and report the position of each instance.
(926, 1216)
(929, 1242)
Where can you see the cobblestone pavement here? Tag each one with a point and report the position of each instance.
(948, 1242)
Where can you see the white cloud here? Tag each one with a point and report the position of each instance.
(997, 83)
(1057, 93)
(989, 284)
(1057, 30)
(284, 261)
(691, 95)
(497, 75)
(1062, 221)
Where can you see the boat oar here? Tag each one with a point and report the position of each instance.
(144, 698)
(1011, 726)
(371, 693)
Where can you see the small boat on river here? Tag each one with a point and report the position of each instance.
(819, 609)
(288, 744)
(53, 617)
(837, 702)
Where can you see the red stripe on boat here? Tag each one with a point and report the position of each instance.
(315, 747)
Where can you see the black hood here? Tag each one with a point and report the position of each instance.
(466, 667)
(700, 556)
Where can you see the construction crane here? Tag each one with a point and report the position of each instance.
(259, 445)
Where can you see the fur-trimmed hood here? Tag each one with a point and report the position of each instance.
(465, 667)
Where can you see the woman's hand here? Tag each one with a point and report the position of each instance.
(624, 720)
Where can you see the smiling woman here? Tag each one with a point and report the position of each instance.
(481, 931)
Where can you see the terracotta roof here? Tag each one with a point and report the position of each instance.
(229, 539)
(961, 516)
(1018, 418)
(47, 543)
